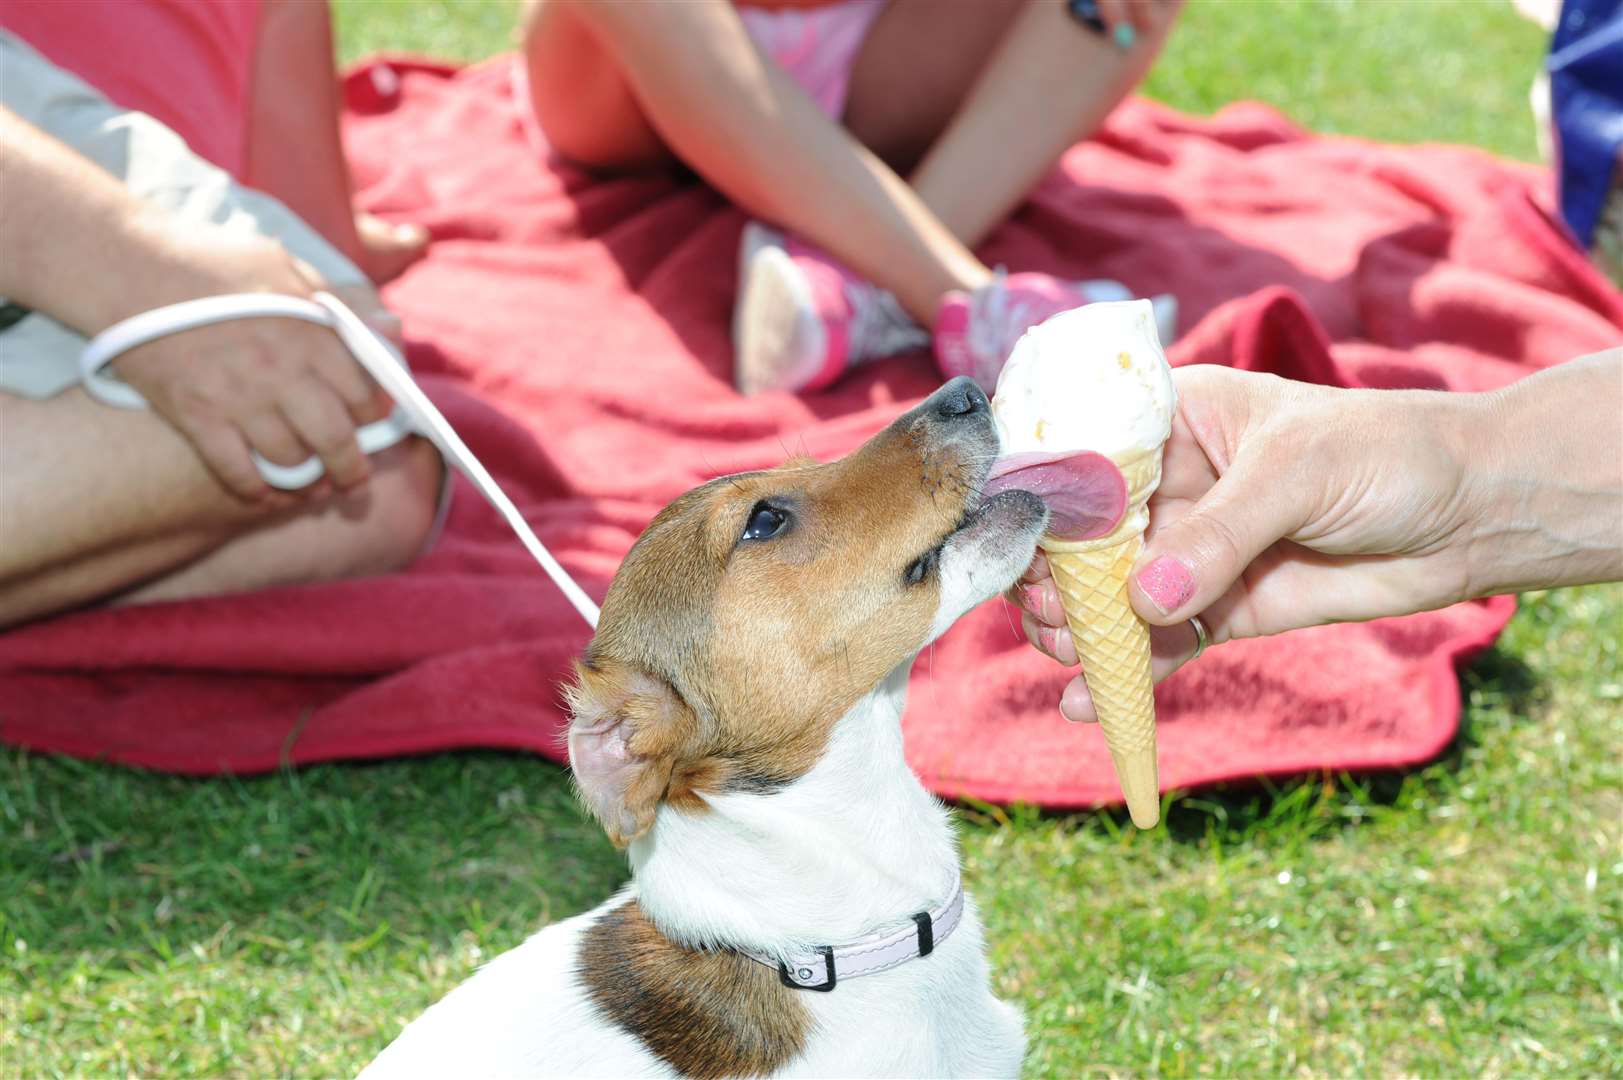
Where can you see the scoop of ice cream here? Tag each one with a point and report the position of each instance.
(1088, 387)
(1092, 378)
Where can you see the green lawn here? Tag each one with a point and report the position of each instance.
(1463, 919)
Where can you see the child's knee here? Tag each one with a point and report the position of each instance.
(579, 98)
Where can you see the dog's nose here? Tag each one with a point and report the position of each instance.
(960, 399)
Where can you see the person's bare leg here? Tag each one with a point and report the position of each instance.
(740, 122)
(98, 501)
(580, 99)
(1050, 82)
(378, 530)
(294, 151)
(914, 71)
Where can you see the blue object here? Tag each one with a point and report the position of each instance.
(1086, 12)
(1586, 99)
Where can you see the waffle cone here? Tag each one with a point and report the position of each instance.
(1112, 641)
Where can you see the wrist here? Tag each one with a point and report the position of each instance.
(158, 264)
(1472, 425)
(1545, 480)
(141, 269)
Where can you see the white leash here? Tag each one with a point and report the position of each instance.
(148, 326)
(413, 412)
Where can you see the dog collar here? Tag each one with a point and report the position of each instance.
(827, 965)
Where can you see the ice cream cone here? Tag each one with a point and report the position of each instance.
(1112, 641)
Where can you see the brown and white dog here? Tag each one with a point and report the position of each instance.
(795, 908)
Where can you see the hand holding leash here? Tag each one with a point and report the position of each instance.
(247, 392)
(413, 412)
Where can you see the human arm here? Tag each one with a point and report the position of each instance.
(75, 244)
(1285, 505)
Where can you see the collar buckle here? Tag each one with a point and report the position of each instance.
(926, 927)
(784, 977)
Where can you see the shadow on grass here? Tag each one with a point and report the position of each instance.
(421, 853)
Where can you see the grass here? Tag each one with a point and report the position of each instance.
(1396, 70)
(1458, 920)
(1461, 919)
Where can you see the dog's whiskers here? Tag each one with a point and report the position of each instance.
(1008, 617)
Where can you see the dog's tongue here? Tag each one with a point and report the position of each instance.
(1085, 492)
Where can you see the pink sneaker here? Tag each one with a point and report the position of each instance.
(802, 318)
(975, 332)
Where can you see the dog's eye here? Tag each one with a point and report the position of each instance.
(765, 522)
(921, 567)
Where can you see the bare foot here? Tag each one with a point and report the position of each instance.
(387, 249)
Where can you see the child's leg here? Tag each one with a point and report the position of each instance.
(1047, 81)
(993, 126)
(580, 97)
(914, 71)
(1050, 82)
(745, 126)
(293, 148)
(625, 82)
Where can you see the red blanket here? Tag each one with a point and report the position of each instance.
(576, 330)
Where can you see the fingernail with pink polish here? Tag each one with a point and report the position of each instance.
(1031, 597)
(1168, 583)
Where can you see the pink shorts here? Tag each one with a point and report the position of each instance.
(816, 47)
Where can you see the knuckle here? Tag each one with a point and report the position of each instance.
(1029, 627)
(331, 357)
(336, 441)
(1045, 604)
(1221, 541)
(197, 427)
(245, 482)
(332, 438)
(347, 380)
(1064, 648)
(318, 411)
(235, 470)
(196, 399)
(375, 407)
(342, 456)
(279, 445)
(280, 454)
(346, 468)
(262, 358)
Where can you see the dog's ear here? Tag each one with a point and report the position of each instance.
(626, 733)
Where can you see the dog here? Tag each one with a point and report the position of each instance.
(795, 906)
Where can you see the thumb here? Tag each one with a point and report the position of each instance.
(1193, 561)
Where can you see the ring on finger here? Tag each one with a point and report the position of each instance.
(1203, 637)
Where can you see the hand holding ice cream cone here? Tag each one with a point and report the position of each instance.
(1084, 407)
